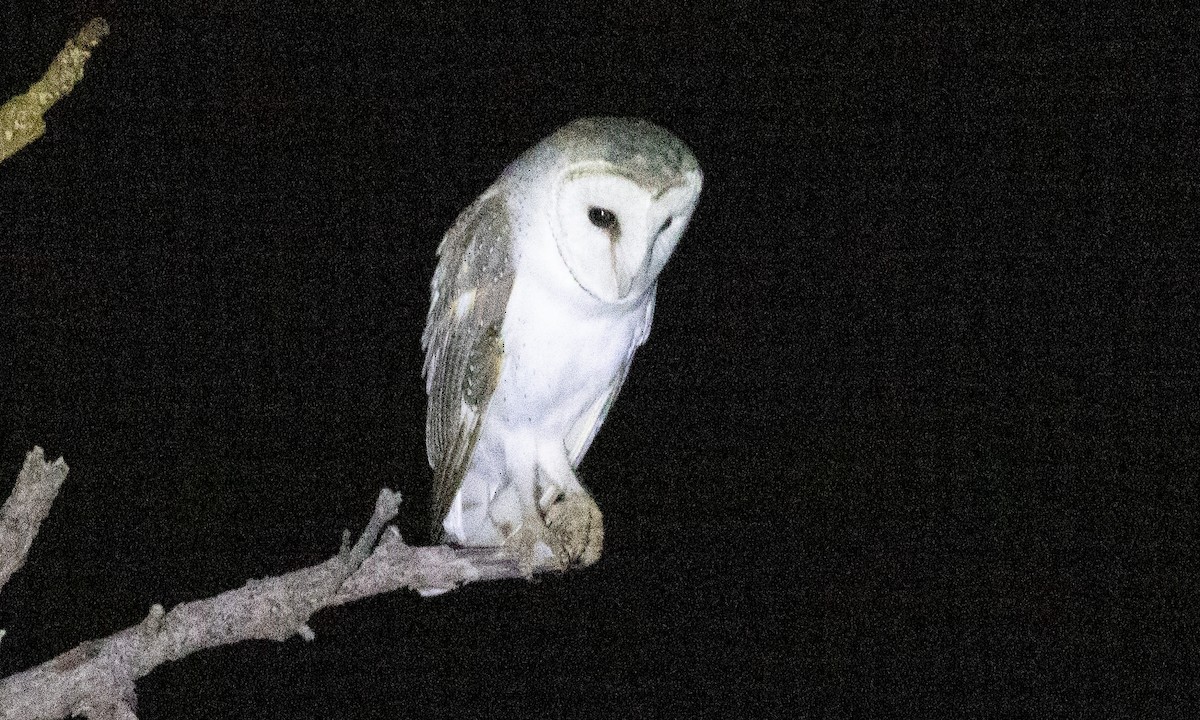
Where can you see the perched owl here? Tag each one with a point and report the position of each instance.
(543, 291)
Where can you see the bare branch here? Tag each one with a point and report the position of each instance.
(97, 677)
(26, 508)
(21, 118)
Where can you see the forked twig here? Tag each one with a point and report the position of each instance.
(28, 505)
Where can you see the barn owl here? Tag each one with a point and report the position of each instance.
(544, 289)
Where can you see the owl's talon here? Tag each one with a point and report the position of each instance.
(533, 546)
(577, 525)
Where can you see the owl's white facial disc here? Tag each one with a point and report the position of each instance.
(613, 234)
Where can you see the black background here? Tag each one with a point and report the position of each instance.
(915, 432)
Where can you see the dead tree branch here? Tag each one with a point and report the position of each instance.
(96, 679)
(21, 118)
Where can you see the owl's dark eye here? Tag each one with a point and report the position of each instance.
(666, 224)
(601, 218)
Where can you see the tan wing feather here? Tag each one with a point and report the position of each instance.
(462, 341)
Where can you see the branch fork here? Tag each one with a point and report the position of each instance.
(96, 678)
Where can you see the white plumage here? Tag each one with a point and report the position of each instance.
(544, 290)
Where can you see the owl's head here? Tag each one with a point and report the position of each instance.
(623, 192)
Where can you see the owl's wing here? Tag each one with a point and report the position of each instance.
(462, 341)
(585, 430)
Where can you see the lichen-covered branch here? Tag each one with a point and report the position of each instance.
(96, 679)
(26, 508)
(21, 118)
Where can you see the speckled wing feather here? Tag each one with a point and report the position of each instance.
(585, 430)
(462, 340)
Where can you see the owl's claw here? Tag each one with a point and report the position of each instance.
(576, 527)
(572, 534)
(533, 546)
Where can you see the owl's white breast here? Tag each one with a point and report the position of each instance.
(563, 348)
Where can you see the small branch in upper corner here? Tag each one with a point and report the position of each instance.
(21, 117)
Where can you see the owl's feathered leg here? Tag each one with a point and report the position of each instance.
(542, 514)
(515, 519)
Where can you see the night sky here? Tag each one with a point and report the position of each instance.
(916, 431)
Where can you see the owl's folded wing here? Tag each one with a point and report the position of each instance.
(462, 341)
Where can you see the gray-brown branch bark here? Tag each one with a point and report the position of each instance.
(28, 505)
(96, 679)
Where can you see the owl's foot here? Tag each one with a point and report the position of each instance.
(532, 546)
(575, 527)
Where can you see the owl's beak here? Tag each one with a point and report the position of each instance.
(624, 282)
(628, 264)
